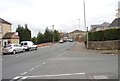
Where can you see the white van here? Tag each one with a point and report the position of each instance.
(29, 45)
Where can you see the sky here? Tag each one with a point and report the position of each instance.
(65, 15)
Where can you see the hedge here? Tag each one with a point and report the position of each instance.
(109, 34)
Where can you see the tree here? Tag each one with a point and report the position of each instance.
(48, 35)
(24, 33)
(56, 36)
(20, 31)
(34, 40)
(27, 33)
(40, 38)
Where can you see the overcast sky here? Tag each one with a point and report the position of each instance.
(64, 14)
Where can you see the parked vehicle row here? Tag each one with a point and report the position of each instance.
(67, 40)
(28, 45)
(22, 47)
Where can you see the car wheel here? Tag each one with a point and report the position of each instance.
(14, 52)
(36, 48)
(30, 49)
(23, 50)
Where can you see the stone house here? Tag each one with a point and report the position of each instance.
(77, 35)
(5, 27)
(10, 38)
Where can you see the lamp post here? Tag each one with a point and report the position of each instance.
(79, 23)
(85, 23)
(53, 32)
(1, 31)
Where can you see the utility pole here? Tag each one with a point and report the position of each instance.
(84, 14)
(53, 32)
(79, 23)
(1, 42)
(85, 23)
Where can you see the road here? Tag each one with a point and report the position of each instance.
(60, 61)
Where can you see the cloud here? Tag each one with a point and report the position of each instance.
(39, 14)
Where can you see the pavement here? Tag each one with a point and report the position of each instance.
(70, 60)
(81, 47)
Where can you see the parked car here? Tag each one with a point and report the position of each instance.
(70, 40)
(13, 48)
(28, 45)
(61, 41)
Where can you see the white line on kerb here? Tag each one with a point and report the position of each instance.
(55, 75)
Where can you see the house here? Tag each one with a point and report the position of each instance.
(81, 36)
(10, 37)
(99, 27)
(5, 27)
(73, 34)
(115, 23)
(77, 35)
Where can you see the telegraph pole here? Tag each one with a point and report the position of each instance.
(85, 23)
(79, 23)
(53, 32)
(1, 37)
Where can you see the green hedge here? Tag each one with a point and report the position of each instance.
(110, 34)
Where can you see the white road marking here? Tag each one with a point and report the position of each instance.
(55, 75)
(24, 73)
(38, 66)
(61, 54)
(32, 69)
(17, 77)
(23, 78)
(100, 77)
(44, 63)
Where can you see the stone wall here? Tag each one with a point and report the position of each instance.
(104, 45)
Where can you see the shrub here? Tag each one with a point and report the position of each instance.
(109, 34)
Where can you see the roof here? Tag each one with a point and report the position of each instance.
(75, 31)
(4, 21)
(105, 24)
(10, 35)
(115, 23)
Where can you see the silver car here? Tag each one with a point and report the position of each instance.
(13, 48)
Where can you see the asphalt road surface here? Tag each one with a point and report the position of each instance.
(68, 60)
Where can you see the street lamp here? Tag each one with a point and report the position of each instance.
(79, 23)
(53, 32)
(85, 23)
(1, 31)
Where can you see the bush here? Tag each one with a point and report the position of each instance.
(110, 34)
